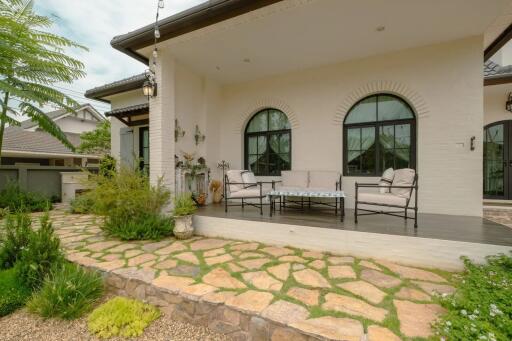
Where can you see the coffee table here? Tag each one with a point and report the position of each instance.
(284, 192)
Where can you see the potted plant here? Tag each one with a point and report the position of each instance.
(215, 187)
(184, 208)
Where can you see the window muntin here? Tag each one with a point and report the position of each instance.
(268, 143)
(379, 132)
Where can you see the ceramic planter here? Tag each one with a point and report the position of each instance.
(217, 196)
(183, 228)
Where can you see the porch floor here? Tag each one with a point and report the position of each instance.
(432, 226)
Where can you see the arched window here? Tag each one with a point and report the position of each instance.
(268, 143)
(379, 132)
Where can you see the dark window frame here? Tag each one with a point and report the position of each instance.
(377, 125)
(267, 133)
(143, 166)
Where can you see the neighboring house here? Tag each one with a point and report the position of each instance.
(354, 86)
(28, 144)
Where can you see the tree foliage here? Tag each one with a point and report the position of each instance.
(96, 141)
(32, 61)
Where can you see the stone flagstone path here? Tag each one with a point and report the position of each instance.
(333, 296)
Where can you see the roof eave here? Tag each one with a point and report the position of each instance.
(100, 93)
(195, 18)
(498, 79)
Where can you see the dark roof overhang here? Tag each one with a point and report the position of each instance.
(498, 43)
(498, 79)
(123, 85)
(131, 115)
(197, 17)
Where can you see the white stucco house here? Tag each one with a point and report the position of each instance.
(28, 144)
(352, 86)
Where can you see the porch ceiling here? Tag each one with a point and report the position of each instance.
(297, 34)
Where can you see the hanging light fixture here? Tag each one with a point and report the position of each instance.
(508, 104)
(149, 86)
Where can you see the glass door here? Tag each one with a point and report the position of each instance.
(497, 160)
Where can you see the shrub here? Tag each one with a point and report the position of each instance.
(121, 317)
(480, 309)
(148, 226)
(67, 292)
(184, 205)
(41, 254)
(14, 198)
(16, 238)
(128, 200)
(83, 203)
(13, 294)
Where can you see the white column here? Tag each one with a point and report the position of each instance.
(161, 124)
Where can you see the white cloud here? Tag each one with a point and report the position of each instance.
(94, 23)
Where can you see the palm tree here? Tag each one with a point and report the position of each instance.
(32, 61)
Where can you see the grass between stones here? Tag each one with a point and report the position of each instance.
(391, 321)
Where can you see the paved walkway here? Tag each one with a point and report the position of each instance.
(337, 296)
(499, 215)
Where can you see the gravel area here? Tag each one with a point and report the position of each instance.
(22, 326)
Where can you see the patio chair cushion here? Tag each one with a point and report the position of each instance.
(403, 177)
(236, 177)
(382, 199)
(297, 179)
(249, 179)
(323, 180)
(386, 180)
(251, 192)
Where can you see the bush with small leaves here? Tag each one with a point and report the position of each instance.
(15, 199)
(67, 292)
(121, 317)
(82, 204)
(41, 254)
(16, 237)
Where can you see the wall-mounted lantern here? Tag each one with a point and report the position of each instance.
(149, 86)
(198, 136)
(178, 131)
(508, 105)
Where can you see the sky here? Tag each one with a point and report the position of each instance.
(93, 23)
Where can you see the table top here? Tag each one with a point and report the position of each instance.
(307, 192)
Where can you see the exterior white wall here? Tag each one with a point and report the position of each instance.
(127, 99)
(71, 124)
(198, 102)
(495, 97)
(442, 82)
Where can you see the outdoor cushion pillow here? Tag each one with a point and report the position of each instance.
(249, 179)
(386, 180)
(403, 177)
(236, 177)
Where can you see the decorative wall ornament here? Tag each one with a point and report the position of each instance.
(198, 136)
(508, 104)
(178, 131)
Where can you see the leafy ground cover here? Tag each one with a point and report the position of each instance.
(481, 309)
(122, 317)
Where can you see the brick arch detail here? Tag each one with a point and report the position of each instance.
(261, 104)
(409, 95)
